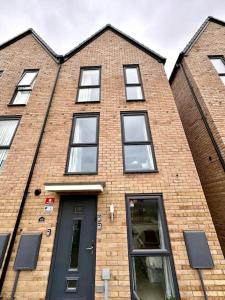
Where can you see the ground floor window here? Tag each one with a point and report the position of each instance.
(152, 270)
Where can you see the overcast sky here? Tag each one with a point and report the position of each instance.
(165, 26)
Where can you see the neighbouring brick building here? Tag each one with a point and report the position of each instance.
(94, 158)
(198, 82)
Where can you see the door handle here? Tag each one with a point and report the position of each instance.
(91, 247)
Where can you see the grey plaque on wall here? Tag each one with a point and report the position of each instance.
(198, 250)
(4, 238)
(27, 253)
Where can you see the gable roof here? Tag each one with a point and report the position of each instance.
(61, 58)
(49, 50)
(140, 46)
(193, 40)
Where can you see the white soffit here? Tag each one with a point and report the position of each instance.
(74, 187)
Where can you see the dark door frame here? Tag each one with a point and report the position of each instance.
(56, 240)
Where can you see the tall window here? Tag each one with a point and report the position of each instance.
(152, 270)
(219, 65)
(134, 90)
(84, 144)
(137, 143)
(89, 85)
(24, 87)
(7, 131)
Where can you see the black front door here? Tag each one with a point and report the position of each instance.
(73, 266)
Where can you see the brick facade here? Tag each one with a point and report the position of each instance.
(209, 92)
(177, 179)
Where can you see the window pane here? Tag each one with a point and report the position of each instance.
(90, 77)
(7, 129)
(89, 95)
(85, 130)
(132, 75)
(3, 155)
(135, 128)
(134, 93)
(152, 278)
(75, 244)
(223, 79)
(138, 158)
(28, 78)
(21, 97)
(83, 160)
(146, 224)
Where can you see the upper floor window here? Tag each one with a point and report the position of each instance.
(8, 128)
(137, 143)
(24, 87)
(134, 90)
(89, 85)
(153, 275)
(219, 65)
(84, 144)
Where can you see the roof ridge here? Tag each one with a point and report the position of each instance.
(120, 33)
(31, 31)
(189, 45)
(61, 58)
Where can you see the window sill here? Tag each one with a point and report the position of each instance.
(11, 104)
(72, 174)
(141, 172)
(131, 100)
(86, 102)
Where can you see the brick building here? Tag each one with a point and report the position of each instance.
(96, 166)
(198, 82)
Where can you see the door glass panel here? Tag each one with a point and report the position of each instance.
(146, 224)
(71, 284)
(75, 244)
(152, 278)
(78, 209)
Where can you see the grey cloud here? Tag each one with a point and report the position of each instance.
(164, 26)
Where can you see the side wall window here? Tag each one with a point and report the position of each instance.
(83, 152)
(137, 143)
(219, 65)
(8, 128)
(89, 85)
(152, 270)
(24, 87)
(133, 84)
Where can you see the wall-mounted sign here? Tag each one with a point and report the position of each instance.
(48, 209)
(49, 201)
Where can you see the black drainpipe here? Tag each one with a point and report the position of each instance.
(204, 119)
(18, 219)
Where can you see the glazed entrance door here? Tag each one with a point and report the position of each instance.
(73, 266)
